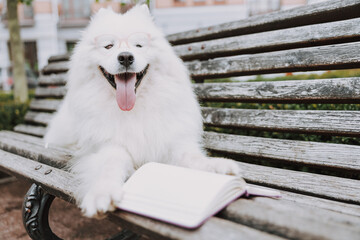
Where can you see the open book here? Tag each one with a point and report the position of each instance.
(182, 196)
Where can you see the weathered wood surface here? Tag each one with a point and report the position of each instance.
(53, 79)
(56, 67)
(316, 122)
(322, 34)
(38, 131)
(284, 223)
(323, 155)
(58, 182)
(54, 155)
(344, 123)
(23, 138)
(48, 105)
(33, 148)
(41, 118)
(62, 184)
(341, 189)
(314, 202)
(215, 228)
(60, 58)
(329, 187)
(290, 220)
(338, 56)
(310, 14)
(340, 90)
(50, 92)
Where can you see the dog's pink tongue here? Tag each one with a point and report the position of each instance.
(125, 90)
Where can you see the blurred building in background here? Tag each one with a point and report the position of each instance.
(50, 27)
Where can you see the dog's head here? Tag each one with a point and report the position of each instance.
(121, 47)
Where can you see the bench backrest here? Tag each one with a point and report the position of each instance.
(314, 37)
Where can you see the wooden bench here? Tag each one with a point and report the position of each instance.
(322, 202)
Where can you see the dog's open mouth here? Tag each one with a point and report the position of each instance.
(126, 85)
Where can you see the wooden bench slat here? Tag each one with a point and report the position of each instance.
(273, 216)
(60, 58)
(56, 67)
(34, 150)
(215, 228)
(344, 90)
(315, 202)
(332, 57)
(50, 92)
(324, 155)
(329, 187)
(340, 90)
(49, 105)
(342, 123)
(21, 137)
(53, 79)
(62, 184)
(337, 56)
(38, 131)
(310, 14)
(41, 118)
(322, 34)
(345, 123)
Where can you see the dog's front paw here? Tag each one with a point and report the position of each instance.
(98, 201)
(224, 166)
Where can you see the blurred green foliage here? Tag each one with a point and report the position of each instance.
(11, 112)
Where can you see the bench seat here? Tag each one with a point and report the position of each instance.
(292, 216)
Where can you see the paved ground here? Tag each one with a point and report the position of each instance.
(65, 219)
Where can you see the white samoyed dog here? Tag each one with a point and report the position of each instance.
(129, 102)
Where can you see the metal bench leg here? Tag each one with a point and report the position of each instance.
(35, 212)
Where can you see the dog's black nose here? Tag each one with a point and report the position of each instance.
(126, 59)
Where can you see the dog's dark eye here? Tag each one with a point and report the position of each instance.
(138, 45)
(109, 46)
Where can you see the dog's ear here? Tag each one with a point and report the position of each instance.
(103, 11)
(145, 9)
(142, 9)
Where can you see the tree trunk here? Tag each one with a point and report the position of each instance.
(17, 53)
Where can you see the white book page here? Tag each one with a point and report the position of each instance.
(174, 194)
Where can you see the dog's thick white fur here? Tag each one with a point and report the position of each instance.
(165, 124)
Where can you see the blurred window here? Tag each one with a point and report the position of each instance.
(25, 14)
(75, 9)
(28, 12)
